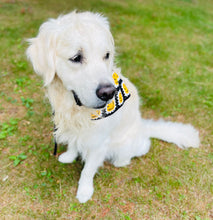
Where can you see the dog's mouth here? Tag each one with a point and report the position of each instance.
(101, 106)
(77, 100)
(79, 103)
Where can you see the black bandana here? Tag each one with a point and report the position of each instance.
(121, 95)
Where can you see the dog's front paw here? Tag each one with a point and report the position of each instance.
(67, 157)
(84, 193)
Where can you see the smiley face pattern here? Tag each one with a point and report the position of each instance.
(121, 95)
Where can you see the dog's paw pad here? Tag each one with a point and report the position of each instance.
(66, 158)
(84, 193)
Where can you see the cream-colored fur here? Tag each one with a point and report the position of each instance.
(117, 138)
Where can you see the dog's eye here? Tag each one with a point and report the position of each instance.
(78, 58)
(106, 57)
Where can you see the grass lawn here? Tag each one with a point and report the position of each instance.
(165, 47)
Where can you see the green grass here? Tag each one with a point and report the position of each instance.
(165, 48)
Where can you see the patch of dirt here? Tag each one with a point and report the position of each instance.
(10, 110)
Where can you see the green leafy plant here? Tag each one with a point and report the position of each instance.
(18, 159)
(28, 102)
(8, 128)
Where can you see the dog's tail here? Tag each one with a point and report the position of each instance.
(183, 135)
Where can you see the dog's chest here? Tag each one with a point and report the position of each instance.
(83, 132)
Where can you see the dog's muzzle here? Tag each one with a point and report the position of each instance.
(117, 93)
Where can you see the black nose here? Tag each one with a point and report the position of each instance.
(105, 91)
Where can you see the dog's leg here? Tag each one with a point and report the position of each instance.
(135, 147)
(69, 156)
(85, 186)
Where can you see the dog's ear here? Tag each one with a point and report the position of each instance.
(102, 20)
(41, 53)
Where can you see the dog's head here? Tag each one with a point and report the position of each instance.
(79, 48)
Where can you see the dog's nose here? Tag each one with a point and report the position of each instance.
(105, 91)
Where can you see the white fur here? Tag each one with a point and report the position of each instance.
(117, 138)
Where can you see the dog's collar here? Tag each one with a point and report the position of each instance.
(77, 100)
(121, 95)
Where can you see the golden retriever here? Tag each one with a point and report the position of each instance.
(96, 108)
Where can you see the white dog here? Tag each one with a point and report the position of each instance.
(96, 108)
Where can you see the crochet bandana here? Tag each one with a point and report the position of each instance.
(121, 95)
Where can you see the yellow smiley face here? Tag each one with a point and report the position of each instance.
(125, 89)
(111, 106)
(98, 112)
(120, 98)
(94, 116)
(115, 78)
